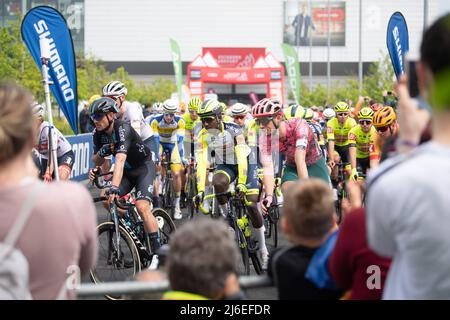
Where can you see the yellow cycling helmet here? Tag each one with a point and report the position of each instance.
(93, 98)
(309, 114)
(210, 108)
(294, 111)
(365, 113)
(341, 106)
(384, 117)
(194, 103)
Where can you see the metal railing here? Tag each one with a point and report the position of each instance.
(142, 287)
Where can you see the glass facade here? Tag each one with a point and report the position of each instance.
(72, 10)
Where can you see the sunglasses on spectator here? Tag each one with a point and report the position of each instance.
(239, 117)
(97, 116)
(365, 122)
(342, 114)
(382, 129)
(263, 121)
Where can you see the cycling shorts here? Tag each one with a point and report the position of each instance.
(343, 153)
(140, 178)
(316, 170)
(174, 155)
(231, 171)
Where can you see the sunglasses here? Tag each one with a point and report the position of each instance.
(365, 122)
(239, 117)
(97, 116)
(344, 114)
(208, 119)
(263, 121)
(169, 115)
(382, 129)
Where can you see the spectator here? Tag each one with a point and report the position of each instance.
(84, 118)
(202, 262)
(407, 204)
(308, 219)
(353, 265)
(60, 233)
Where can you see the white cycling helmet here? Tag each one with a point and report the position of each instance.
(158, 107)
(115, 88)
(170, 106)
(38, 109)
(239, 109)
(329, 113)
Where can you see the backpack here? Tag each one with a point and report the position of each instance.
(14, 270)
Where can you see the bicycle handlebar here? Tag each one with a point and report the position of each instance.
(228, 194)
(118, 203)
(106, 184)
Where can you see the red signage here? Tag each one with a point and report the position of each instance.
(236, 57)
(219, 75)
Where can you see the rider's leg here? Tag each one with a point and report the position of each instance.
(221, 182)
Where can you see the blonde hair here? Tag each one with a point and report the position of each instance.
(309, 209)
(16, 120)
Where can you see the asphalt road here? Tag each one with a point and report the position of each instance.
(256, 294)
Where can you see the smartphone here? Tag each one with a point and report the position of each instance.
(413, 86)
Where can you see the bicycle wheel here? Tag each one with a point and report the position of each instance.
(111, 267)
(191, 192)
(244, 265)
(165, 224)
(252, 252)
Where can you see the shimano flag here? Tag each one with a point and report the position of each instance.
(47, 22)
(176, 56)
(293, 70)
(397, 40)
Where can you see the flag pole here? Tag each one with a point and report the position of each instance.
(45, 57)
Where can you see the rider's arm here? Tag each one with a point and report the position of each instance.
(300, 163)
(330, 138)
(202, 158)
(352, 148)
(154, 125)
(180, 137)
(241, 150)
(267, 166)
(375, 152)
(96, 159)
(118, 168)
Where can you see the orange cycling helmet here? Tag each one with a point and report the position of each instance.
(384, 117)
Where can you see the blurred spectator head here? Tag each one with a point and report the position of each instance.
(202, 256)
(308, 211)
(433, 70)
(16, 122)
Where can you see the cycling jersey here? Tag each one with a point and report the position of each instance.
(191, 126)
(298, 135)
(125, 140)
(361, 140)
(132, 114)
(168, 132)
(223, 143)
(43, 140)
(377, 145)
(339, 133)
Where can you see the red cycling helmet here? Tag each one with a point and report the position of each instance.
(266, 108)
(376, 106)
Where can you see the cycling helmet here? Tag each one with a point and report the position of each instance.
(384, 117)
(38, 109)
(170, 106)
(115, 88)
(157, 107)
(103, 105)
(341, 106)
(239, 109)
(266, 108)
(224, 107)
(294, 111)
(209, 108)
(194, 103)
(376, 106)
(93, 98)
(329, 113)
(365, 114)
(309, 114)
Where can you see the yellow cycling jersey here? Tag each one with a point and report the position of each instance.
(339, 134)
(361, 140)
(189, 126)
(168, 132)
(251, 134)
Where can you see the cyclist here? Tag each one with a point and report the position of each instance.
(385, 123)
(65, 155)
(240, 115)
(130, 113)
(304, 158)
(133, 165)
(228, 142)
(168, 131)
(294, 111)
(360, 138)
(337, 136)
(317, 129)
(192, 124)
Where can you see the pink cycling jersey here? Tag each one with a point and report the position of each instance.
(298, 135)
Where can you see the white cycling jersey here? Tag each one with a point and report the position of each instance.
(133, 114)
(42, 141)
